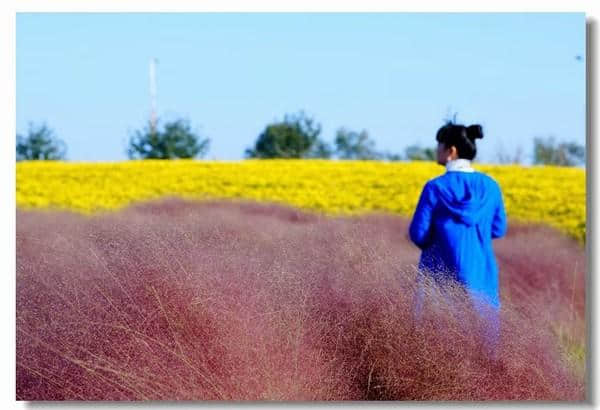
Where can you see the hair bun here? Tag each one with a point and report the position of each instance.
(474, 131)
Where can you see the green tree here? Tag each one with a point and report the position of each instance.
(40, 143)
(547, 151)
(176, 140)
(394, 157)
(297, 136)
(391, 156)
(417, 153)
(354, 145)
(320, 149)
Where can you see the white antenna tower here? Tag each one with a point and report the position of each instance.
(153, 62)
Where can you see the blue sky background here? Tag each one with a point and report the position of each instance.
(397, 75)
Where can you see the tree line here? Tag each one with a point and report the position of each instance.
(296, 136)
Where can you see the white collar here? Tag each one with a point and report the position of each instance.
(459, 164)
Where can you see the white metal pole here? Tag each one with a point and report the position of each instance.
(153, 94)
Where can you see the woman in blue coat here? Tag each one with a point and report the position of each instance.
(457, 216)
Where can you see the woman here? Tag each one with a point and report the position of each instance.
(457, 216)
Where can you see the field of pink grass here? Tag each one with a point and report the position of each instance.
(179, 300)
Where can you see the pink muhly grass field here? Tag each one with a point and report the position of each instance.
(180, 300)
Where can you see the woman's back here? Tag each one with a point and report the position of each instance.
(458, 215)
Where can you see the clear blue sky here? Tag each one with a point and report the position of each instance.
(396, 75)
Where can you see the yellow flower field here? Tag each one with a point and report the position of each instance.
(552, 195)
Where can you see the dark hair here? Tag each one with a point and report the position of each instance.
(463, 138)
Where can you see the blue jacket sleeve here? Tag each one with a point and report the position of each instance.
(499, 221)
(420, 227)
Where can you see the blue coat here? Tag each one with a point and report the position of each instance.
(457, 216)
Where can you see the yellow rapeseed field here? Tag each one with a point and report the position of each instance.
(552, 195)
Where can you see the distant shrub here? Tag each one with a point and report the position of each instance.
(40, 143)
(175, 140)
(547, 151)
